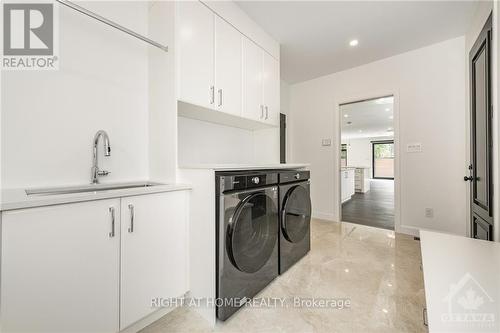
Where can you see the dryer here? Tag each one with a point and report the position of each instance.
(295, 217)
(247, 236)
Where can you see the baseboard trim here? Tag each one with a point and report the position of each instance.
(324, 216)
(407, 230)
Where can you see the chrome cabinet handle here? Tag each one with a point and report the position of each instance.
(267, 112)
(132, 215)
(220, 97)
(424, 315)
(112, 232)
(212, 94)
(261, 111)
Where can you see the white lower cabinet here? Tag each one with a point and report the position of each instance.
(59, 269)
(81, 268)
(153, 252)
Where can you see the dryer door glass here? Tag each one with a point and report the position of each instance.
(296, 214)
(252, 233)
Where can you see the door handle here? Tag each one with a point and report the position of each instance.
(112, 212)
(132, 216)
(267, 112)
(261, 111)
(212, 94)
(468, 178)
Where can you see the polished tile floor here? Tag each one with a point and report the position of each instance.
(374, 208)
(376, 269)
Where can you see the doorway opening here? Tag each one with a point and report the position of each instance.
(367, 162)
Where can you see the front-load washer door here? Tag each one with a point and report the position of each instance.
(296, 213)
(252, 231)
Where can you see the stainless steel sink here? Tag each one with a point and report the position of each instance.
(87, 188)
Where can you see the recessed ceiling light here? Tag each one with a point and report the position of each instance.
(389, 129)
(353, 42)
(346, 115)
(360, 131)
(391, 117)
(387, 110)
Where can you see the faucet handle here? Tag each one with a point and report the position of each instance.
(103, 173)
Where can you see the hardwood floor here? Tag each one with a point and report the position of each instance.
(374, 208)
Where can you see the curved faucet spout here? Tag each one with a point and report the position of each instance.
(95, 172)
(105, 137)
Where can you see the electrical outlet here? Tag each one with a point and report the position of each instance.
(429, 212)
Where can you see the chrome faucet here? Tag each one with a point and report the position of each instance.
(95, 172)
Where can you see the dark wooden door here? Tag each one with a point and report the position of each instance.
(282, 138)
(481, 107)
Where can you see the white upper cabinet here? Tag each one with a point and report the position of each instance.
(261, 84)
(153, 252)
(222, 69)
(195, 33)
(271, 91)
(253, 108)
(60, 268)
(227, 67)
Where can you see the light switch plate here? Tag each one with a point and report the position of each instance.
(326, 142)
(414, 147)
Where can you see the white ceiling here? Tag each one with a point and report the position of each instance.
(368, 119)
(315, 35)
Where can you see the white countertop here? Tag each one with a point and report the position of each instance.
(358, 167)
(17, 198)
(229, 167)
(462, 282)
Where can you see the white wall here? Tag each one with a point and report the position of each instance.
(429, 85)
(202, 142)
(162, 94)
(102, 83)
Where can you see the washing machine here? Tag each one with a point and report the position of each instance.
(295, 217)
(246, 236)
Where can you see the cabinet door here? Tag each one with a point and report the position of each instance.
(253, 107)
(60, 267)
(153, 252)
(227, 67)
(271, 88)
(195, 33)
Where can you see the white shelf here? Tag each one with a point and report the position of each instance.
(192, 111)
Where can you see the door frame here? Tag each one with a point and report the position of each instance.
(373, 143)
(350, 98)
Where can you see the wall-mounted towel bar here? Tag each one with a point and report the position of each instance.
(111, 23)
